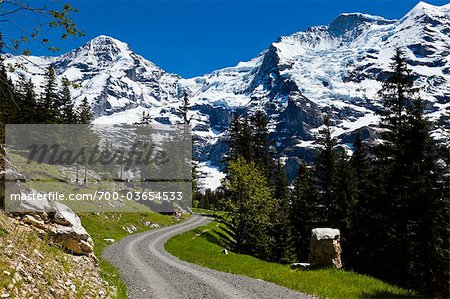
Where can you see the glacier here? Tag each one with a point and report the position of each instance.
(331, 69)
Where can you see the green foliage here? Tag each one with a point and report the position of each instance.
(203, 246)
(17, 34)
(280, 230)
(411, 197)
(249, 202)
(8, 100)
(84, 112)
(68, 113)
(250, 139)
(391, 202)
(211, 200)
(305, 213)
(240, 143)
(326, 173)
(50, 103)
(261, 144)
(29, 106)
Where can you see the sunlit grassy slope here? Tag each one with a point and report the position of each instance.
(203, 246)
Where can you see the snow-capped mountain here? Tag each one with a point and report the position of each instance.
(332, 69)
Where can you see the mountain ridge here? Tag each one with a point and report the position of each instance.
(328, 69)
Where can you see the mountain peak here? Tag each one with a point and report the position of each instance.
(349, 21)
(423, 5)
(108, 41)
(425, 8)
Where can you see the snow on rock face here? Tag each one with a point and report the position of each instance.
(333, 69)
(110, 75)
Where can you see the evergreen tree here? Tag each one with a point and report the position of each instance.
(427, 203)
(262, 151)
(360, 238)
(342, 209)
(325, 173)
(30, 110)
(304, 211)
(341, 213)
(412, 199)
(84, 112)
(145, 118)
(397, 93)
(50, 103)
(9, 108)
(240, 140)
(69, 115)
(282, 249)
(360, 165)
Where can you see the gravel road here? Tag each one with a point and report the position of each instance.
(150, 272)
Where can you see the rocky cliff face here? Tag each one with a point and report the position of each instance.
(331, 70)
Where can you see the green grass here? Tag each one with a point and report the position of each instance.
(215, 213)
(203, 246)
(103, 226)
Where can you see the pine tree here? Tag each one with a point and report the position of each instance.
(304, 211)
(240, 140)
(360, 164)
(342, 209)
(282, 247)
(262, 151)
(30, 110)
(325, 172)
(427, 204)
(397, 93)
(9, 108)
(69, 115)
(145, 118)
(412, 201)
(360, 237)
(49, 104)
(84, 112)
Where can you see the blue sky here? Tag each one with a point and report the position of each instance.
(192, 38)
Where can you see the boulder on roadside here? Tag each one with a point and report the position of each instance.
(325, 248)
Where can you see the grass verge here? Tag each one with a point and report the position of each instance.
(203, 246)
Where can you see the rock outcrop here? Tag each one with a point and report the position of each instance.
(54, 218)
(31, 268)
(325, 248)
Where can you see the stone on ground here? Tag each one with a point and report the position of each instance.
(325, 248)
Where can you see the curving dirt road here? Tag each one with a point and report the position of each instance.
(150, 272)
